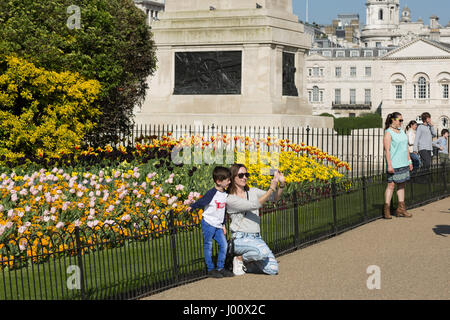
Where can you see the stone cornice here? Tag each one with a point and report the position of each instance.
(416, 58)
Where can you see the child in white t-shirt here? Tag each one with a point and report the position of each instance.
(213, 222)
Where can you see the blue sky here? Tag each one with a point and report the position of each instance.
(324, 11)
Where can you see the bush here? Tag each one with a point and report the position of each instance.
(369, 120)
(113, 45)
(42, 112)
(327, 115)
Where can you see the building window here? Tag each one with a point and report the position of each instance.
(368, 71)
(367, 96)
(445, 91)
(382, 52)
(315, 94)
(423, 87)
(445, 122)
(352, 115)
(340, 54)
(352, 71)
(326, 53)
(368, 53)
(354, 53)
(316, 71)
(352, 96)
(337, 96)
(419, 119)
(380, 14)
(310, 72)
(378, 44)
(398, 91)
(338, 72)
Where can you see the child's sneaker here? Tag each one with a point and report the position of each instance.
(214, 274)
(226, 273)
(238, 267)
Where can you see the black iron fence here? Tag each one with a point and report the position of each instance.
(361, 148)
(140, 258)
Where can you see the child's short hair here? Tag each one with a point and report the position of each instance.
(444, 131)
(221, 173)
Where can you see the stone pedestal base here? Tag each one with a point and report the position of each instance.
(241, 120)
(196, 69)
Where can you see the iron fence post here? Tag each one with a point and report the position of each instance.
(444, 173)
(80, 262)
(307, 135)
(334, 195)
(364, 197)
(174, 245)
(296, 237)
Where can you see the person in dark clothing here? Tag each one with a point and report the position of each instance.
(423, 141)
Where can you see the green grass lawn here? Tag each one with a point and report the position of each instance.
(142, 266)
(136, 266)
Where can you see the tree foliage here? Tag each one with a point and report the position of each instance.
(113, 45)
(42, 112)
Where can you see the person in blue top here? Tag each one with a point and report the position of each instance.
(213, 222)
(398, 163)
(442, 145)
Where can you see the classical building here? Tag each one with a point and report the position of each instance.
(387, 26)
(416, 79)
(344, 82)
(151, 8)
(411, 79)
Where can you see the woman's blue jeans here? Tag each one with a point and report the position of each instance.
(209, 233)
(257, 256)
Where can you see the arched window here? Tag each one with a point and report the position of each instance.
(380, 14)
(315, 93)
(445, 123)
(422, 86)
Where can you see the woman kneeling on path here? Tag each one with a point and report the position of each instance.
(399, 164)
(252, 254)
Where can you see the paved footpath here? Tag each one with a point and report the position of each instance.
(413, 256)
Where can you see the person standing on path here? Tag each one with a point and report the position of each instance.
(399, 164)
(424, 138)
(442, 145)
(252, 254)
(411, 133)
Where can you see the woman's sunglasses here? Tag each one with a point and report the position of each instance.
(401, 120)
(241, 175)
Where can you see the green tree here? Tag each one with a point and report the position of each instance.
(113, 45)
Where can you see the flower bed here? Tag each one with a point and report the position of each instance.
(112, 187)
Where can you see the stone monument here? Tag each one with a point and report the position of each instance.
(229, 62)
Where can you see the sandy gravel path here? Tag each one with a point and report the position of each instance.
(413, 256)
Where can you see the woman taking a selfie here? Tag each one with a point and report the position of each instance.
(252, 254)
